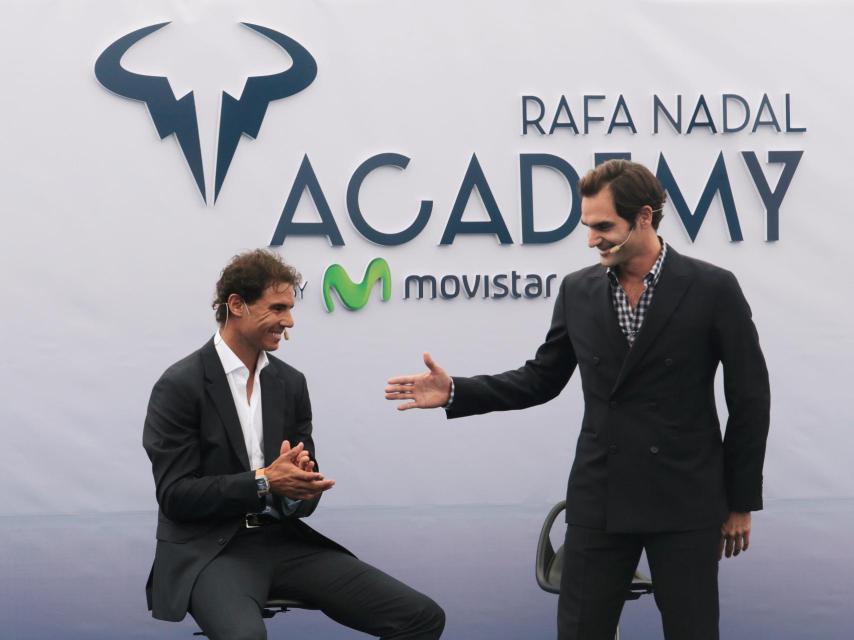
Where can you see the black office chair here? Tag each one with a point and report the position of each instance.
(550, 563)
(277, 605)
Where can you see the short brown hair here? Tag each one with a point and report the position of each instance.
(248, 274)
(632, 185)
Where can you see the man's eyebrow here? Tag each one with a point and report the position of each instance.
(604, 223)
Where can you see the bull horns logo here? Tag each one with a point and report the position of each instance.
(238, 116)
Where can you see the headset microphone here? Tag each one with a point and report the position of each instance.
(617, 247)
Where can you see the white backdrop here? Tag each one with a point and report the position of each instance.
(109, 255)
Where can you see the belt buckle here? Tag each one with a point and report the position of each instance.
(248, 524)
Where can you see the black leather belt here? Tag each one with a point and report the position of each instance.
(255, 520)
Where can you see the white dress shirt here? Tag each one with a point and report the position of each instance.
(248, 409)
(249, 413)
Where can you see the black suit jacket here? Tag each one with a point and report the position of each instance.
(650, 456)
(201, 468)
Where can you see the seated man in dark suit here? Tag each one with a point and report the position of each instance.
(228, 432)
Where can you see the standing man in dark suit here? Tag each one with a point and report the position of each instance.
(647, 328)
(228, 432)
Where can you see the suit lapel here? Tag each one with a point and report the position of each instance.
(669, 291)
(272, 412)
(220, 393)
(606, 318)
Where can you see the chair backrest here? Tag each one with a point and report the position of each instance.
(549, 562)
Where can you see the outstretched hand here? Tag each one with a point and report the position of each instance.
(427, 390)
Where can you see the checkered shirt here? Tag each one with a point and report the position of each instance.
(631, 319)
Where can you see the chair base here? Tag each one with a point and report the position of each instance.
(274, 606)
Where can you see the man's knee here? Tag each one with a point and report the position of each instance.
(429, 617)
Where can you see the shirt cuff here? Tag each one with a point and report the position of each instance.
(450, 396)
(289, 506)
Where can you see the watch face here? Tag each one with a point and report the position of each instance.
(262, 484)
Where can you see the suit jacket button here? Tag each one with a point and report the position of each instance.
(613, 404)
(612, 449)
(653, 450)
(221, 541)
(596, 360)
(668, 362)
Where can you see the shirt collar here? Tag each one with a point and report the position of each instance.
(229, 359)
(654, 273)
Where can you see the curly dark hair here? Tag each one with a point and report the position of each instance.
(248, 274)
(632, 185)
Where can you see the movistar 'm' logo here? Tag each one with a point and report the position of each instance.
(355, 296)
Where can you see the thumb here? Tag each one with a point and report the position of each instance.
(429, 362)
(293, 454)
(286, 446)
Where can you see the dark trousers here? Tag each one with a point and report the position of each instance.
(229, 594)
(598, 569)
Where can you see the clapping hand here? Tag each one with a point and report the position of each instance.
(292, 474)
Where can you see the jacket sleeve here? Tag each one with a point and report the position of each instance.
(304, 429)
(171, 440)
(748, 397)
(537, 381)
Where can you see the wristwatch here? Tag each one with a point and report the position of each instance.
(262, 485)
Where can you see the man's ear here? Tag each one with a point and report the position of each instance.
(236, 306)
(645, 215)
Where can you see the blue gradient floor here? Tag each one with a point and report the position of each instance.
(82, 577)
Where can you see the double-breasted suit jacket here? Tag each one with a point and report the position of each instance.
(650, 456)
(204, 485)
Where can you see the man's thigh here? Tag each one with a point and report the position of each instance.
(231, 590)
(684, 569)
(597, 571)
(358, 595)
